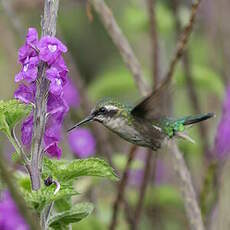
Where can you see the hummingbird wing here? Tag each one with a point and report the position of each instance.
(154, 106)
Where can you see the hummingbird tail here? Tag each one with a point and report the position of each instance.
(197, 118)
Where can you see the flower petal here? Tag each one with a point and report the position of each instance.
(82, 142)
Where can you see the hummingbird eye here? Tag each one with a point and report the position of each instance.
(102, 110)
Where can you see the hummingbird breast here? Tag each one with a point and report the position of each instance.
(136, 132)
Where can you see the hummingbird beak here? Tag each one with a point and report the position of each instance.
(87, 119)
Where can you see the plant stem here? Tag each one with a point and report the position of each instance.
(121, 187)
(182, 43)
(144, 184)
(48, 28)
(121, 43)
(191, 206)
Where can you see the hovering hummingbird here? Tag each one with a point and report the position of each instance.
(145, 124)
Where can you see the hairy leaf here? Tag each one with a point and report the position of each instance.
(39, 199)
(69, 170)
(44, 196)
(77, 213)
(12, 111)
(63, 204)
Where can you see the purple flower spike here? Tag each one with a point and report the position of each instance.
(53, 150)
(29, 49)
(57, 108)
(25, 93)
(27, 130)
(71, 94)
(52, 133)
(82, 142)
(32, 37)
(222, 144)
(29, 70)
(51, 138)
(10, 218)
(50, 49)
(56, 82)
(62, 69)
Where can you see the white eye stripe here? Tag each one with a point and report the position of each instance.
(110, 107)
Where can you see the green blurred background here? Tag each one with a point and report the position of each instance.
(105, 75)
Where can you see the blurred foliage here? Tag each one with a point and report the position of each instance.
(105, 75)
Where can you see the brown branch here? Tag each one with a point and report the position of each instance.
(191, 206)
(182, 43)
(144, 184)
(189, 81)
(155, 71)
(121, 187)
(48, 28)
(6, 176)
(121, 43)
(154, 42)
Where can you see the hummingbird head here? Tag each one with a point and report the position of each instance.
(105, 112)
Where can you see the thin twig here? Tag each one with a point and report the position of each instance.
(188, 193)
(121, 43)
(154, 42)
(13, 18)
(182, 43)
(144, 184)
(121, 187)
(189, 81)
(6, 176)
(155, 72)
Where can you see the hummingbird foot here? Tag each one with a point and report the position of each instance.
(185, 136)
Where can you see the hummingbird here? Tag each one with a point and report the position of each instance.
(145, 124)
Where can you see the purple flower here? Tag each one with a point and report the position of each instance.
(57, 108)
(222, 144)
(50, 49)
(56, 83)
(51, 139)
(28, 49)
(27, 130)
(71, 94)
(52, 133)
(32, 37)
(25, 93)
(53, 150)
(10, 218)
(82, 142)
(60, 65)
(29, 70)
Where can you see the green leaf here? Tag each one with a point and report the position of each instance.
(77, 213)
(63, 204)
(13, 111)
(65, 171)
(39, 199)
(44, 196)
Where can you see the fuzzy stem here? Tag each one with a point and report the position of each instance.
(48, 28)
